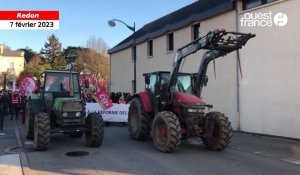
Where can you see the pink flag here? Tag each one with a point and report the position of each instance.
(103, 99)
(27, 85)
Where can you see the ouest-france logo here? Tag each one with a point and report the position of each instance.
(264, 19)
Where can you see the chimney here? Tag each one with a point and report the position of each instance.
(1, 49)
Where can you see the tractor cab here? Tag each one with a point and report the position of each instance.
(157, 82)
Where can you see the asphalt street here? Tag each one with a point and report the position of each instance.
(247, 155)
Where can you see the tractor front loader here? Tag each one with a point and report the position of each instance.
(171, 105)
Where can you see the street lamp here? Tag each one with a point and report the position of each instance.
(4, 81)
(112, 23)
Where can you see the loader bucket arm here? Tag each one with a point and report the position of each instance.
(218, 43)
(221, 43)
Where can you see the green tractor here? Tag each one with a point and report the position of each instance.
(58, 108)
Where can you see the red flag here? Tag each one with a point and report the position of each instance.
(90, 78)
(103, 99)
(81, 81)
(27, 85)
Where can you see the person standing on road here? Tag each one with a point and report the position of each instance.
(22, 107)
(1, 111)
(11, 109)
(15, 102)
(6, 102)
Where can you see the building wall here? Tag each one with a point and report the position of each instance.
(121, 71)
(270, 98)
(18, 63)
(221, 91)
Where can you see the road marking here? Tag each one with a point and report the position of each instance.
(28, 143)
(2, 134)
(292, 160)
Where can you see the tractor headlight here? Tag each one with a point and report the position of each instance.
(194, 110)
(78, 114)
(65, 114)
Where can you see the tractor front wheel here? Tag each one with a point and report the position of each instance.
(41, 131)
(166, 132)
(138, 121)
(94, 130)
(218, 132)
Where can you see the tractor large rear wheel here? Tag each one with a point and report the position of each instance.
(41, 131)
(138, 121)
(219, 136)
(29, 121)
(94, 130)
(166, 132)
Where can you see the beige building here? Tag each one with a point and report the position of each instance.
(11, 64)
(266, 99)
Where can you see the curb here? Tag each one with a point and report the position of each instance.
(23, 159)
(282, 138)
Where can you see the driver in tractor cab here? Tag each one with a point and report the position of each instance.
(58, 83)
(52, 84)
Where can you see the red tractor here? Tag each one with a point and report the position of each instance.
(171, 106)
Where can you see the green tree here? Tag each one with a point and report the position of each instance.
(59, 63)
(52, 53)
(35, 67)
(94, 62)
(28, 54)
(71, 53)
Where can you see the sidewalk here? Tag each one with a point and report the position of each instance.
(10, 158)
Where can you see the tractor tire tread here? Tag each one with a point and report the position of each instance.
(174, 132)
(143, 127)
(226, 132)
(42, 132)
(29, 122)
(95, 130)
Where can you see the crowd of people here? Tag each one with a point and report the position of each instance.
(116, 97)
(12, 103)
(120, 98)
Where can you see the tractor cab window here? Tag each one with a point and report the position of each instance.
(183, 83)
(153, 80)
(57, 82)
(165, 78)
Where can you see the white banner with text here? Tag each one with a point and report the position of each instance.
(117, 113)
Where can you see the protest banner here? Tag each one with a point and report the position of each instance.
(116, 113)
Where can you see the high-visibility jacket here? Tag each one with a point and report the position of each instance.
(122, 101)
(15, 101)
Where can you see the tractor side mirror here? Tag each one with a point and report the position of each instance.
(147, 79)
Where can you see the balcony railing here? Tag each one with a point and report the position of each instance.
(10, 70)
